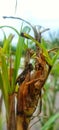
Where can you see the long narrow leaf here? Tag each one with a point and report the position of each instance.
(18, 55)
(50, 121)
(10, 28)
(55, 57)
(4, 92)
(1, 122)
(4, 70)
(7, 44)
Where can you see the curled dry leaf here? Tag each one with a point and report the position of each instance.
(30, 89)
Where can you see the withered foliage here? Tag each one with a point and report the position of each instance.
(30, 88)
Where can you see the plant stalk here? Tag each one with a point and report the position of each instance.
(11, 123)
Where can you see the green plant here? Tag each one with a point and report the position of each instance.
(9, 66)
(8, 72)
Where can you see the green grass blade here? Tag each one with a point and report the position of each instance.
(1, 122)
(4, 92)
(4, 69)
(1, 82)
(50, 121)
(7, 44)
(55, 70)
(19, 50)
(55, 57)
(10, 28)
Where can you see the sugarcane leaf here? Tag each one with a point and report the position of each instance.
(55, 57)
(55, 70)
(1, 82)
(1, 122)
(4, 92)
(46, 54)
(10, 28)
(4, 69)
(19, 50)
(18, 54)
(7, 44)
(50, 122)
